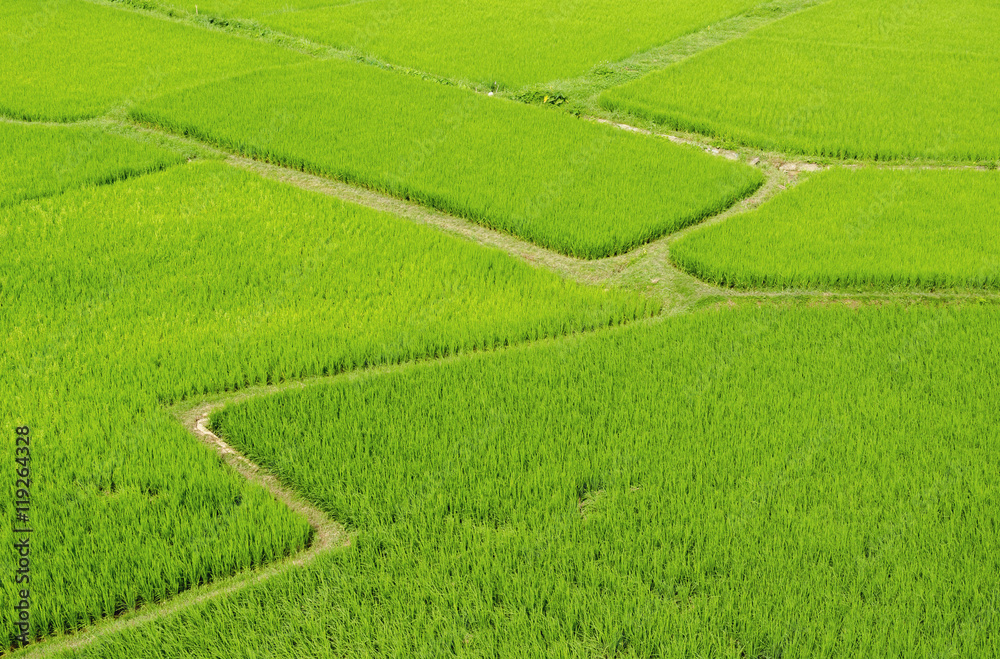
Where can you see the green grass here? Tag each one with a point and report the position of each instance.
(851, 78)
(796, 482)
(120, 299)
(66, 59)
(506, 44)
(859, 228)
(38, 160)
(574, 186)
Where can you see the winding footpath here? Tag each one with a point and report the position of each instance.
(327, 536)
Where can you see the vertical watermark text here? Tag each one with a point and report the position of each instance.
(22, 533)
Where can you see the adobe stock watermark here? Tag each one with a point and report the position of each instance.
(22, 534)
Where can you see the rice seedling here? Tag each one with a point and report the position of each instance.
(850, 78)
(38, 160)
(502, 45)
(794, 482)
(120, 299)
(584, 189)
(66, 60)
(859, 228)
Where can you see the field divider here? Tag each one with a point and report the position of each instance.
(327, 532)
(646, 268)
(784, 161)
(328, 535)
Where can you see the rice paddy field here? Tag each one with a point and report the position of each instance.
(65, 60)
(41, 160)
(583, 189)
(499, 45)
(577, 329)
(672, 490)
(860, 228)
(868, 79)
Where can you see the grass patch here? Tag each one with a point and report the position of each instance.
(577, 187)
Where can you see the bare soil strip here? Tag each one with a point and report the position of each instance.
(327, 533)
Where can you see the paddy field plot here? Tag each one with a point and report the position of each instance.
(791, 481)
(39, 160)
(124, 298)
(68, 59)
(864, 79)
(581, 188)
(859, 228)
(506, 44)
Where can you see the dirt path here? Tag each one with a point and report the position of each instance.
(327, 535)
(646, 269)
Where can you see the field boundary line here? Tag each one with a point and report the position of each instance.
(789, 162)
(646, 269)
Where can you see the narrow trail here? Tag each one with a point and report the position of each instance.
(327, 533)
(647, 268)
(327, 536)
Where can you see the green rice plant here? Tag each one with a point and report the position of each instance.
(120, 299)
(791, 481)
(850, 78)
(67, 60)
(506, 44)
(584, 189)
(859, 228)
(39, 160)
